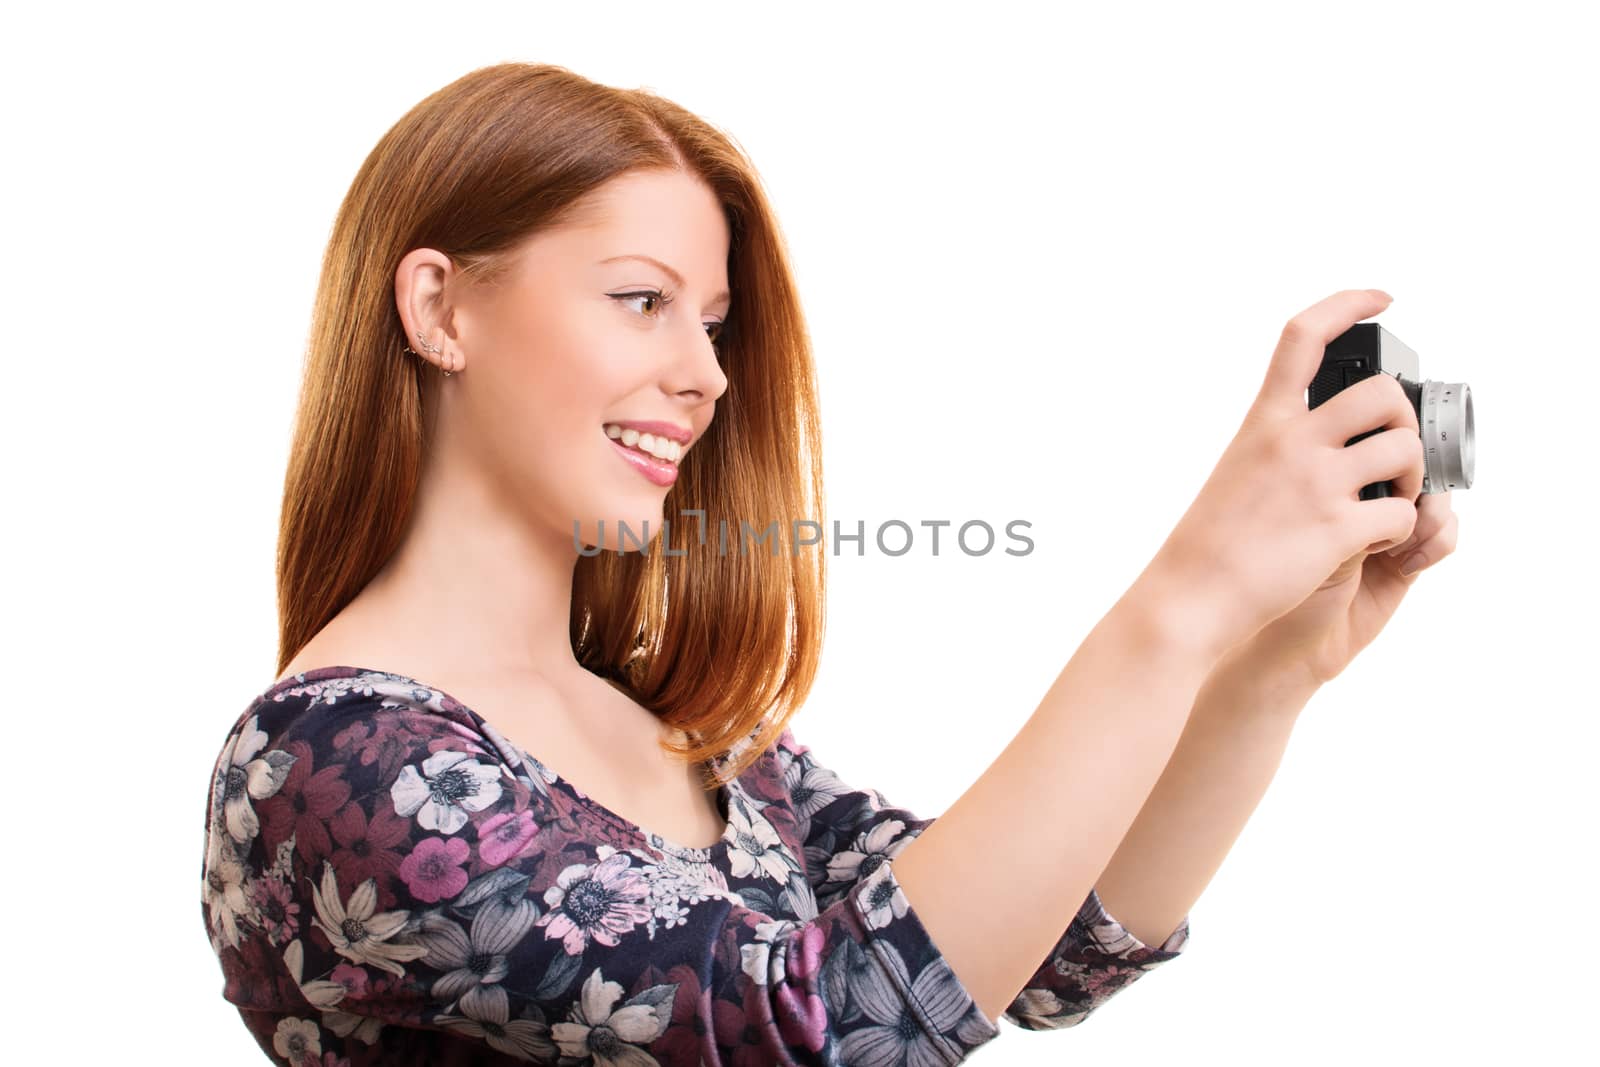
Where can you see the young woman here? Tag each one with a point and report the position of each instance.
(524, 789)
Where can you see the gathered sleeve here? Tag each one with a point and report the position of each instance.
(849, 833)
(446, 887)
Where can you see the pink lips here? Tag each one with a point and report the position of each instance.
(658, 471)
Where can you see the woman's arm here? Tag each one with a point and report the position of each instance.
(845, 833)
(1000, 874)
(1225, 760)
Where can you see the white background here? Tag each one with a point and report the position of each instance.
(1045, 258)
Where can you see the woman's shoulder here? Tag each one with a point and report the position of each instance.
(347, 713)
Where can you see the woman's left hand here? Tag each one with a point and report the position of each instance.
(1342, 616)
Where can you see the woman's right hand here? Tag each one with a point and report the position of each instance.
(1282, 509)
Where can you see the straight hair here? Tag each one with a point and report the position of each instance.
(721, 645)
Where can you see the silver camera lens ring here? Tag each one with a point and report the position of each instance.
(1445, 419)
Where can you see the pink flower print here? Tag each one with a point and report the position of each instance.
(469, 739)
(353, 978)
(302, 807)
(277, 913)
(386, 745)
(357, 733)
(505, 835)
(600, 902)
(1100, 982)
(802, 1018)
(752, 1050)
(366, 847)
(433, 871)
(690, 1028)
(731, 1017)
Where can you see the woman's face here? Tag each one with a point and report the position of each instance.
(581, 337)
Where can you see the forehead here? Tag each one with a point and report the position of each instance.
(673, 211)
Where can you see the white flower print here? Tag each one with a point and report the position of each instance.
(225, 888)
(321, 993)
(356, 933)
(757, 849)
(548, 947)
(676, 884)
(811, 788)
(757, 958)
(882, 900)
(363, 1027)
(799, 898)
(449, 785)
(325, 994)
(490, 1021)
(868, 852)
(612, 1037)
(473, 964)
(897, 1035)
(242, 777)
(298, 1040)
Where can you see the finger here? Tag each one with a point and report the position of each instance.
(1393, 455)
(1379, 401)
(1433, 514)
(1432, 550)
(1306, 337)
(1384, 519)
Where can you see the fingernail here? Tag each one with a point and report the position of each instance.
(1401, 547)
(1412, 565)
(1380, 293)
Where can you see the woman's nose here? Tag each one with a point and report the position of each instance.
(700, 367)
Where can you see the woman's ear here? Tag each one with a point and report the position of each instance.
(421, 287)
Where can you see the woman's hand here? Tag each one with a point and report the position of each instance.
(1282, 512)
(1320, 636)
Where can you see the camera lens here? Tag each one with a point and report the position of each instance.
(1444, 414)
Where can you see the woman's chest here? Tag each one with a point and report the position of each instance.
(611, 752)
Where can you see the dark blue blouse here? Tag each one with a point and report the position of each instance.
(388, 880)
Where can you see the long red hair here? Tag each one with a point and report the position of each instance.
(722, 645)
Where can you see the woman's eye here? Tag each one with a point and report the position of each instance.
(644, 294)
(713, 329)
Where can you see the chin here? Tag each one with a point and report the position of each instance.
(643, 528)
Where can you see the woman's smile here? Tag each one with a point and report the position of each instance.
(641, 451)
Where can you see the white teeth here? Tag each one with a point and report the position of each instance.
(659, 447)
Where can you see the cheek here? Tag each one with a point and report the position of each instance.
(544, 403)
(568, 363)
(547, 379)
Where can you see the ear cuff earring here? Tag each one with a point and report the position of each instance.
(422, 340)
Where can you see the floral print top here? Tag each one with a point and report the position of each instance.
(388, 880)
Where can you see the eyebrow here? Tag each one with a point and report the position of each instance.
(674, 275)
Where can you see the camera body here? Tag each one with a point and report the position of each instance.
(1444, 409)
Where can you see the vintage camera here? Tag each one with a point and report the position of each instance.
(1444, 409)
